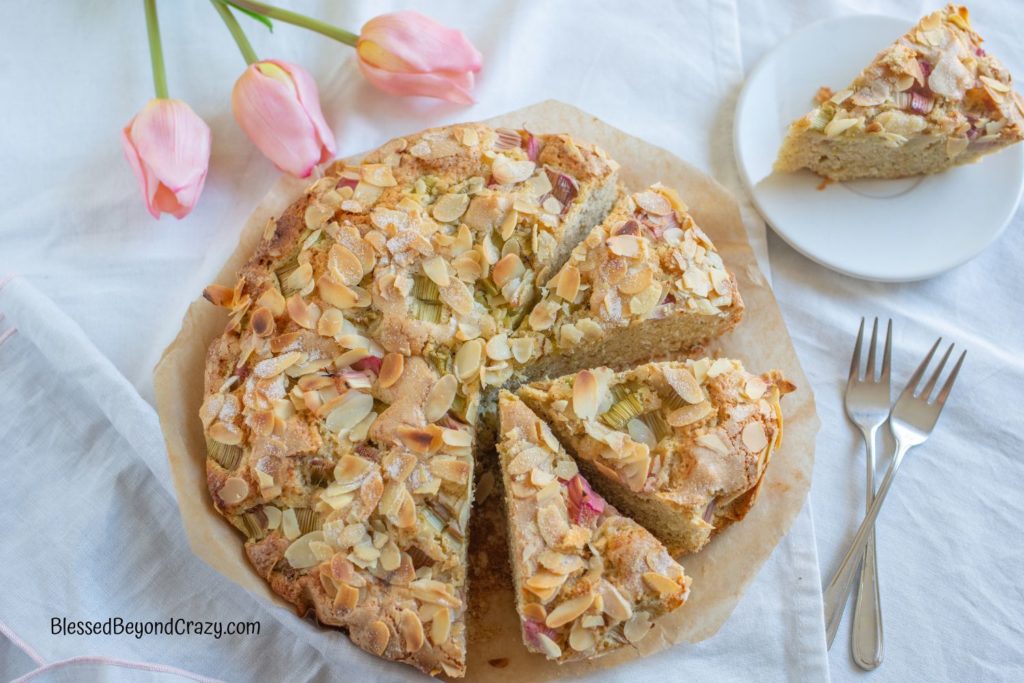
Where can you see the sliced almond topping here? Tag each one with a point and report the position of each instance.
(653, 203)
(542, 317)
(636, 282)
(406, 518)
(450, 469)
(420, 440)
(548, 646)
(304, 315)
(719, 366)
(569, 610)
(378, 634)
(347, 597)
(350, 411)
(624, 245)
(412, 630)
(560, 563)
(219, 295)
(662, 585)
(544, 580)
(225, 433)
(498, 347)
(434, 592)
(437, 270)
(552, 522)
(344, 266)
(390, 557)
(234, 490)
(584, 395)
(998, 86)
(754, 437)
(391, 369)
(300, 555)
(643, 303)
(506, 171)
(755, 388)
(337, 294)
(440, 398)
(298, 279)
(508, 268)
(568, 283)
(441, 626)
(689, 414)
(527, 459)
(331, 323)
(713, 442)
(613, 604)
(468, 359)
(535, 611)
(378, 175)
(272, 367)
(581, 639)
(273, 300)
(637, 627)
(450, 207)
(459, 438)
(263, 322)
(508, 224)
(684, 384)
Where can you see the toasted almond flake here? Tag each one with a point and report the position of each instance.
(613, 604)
(755, 388)
(434, 592)
(450, 207)
(569, 610)
(552, 205)
(390, 557)
(304, 315)
(412, 630)
(522, 349)
(441, 626)
(544, 580)
(540, 478)
(719, 366)
(643, 303)
(225, 433)
(298, 279)
(754, 437)
(998, 86)
(713, 442)
(437, 270)
(272, 300)
(549, 647)
(506, 171)
(637, 627)
(391, 369)
(331, 323)
(234, 490)
(542, 317)
(509, 267)
(419, 440)
(527, 459)
(299, 554)
(344, 266)
(459, 438)
(350, 411)
(552, 522)
(219, 295)
(636, 282)
(687, 415)
(662, 585)
(468, 359)
(560, 563)
(584, 395)
(378, 175)
(566, 469)
(406, 518)
(450, 469)
(838, 126)
(350, 472)
(347, 597)
(262, 322)
(624, 245)
(581, 639)
(653, 203)
(508, 224)
(377, 635)
(458, 297)
(498, 347)
(568, 283)
(337, 294)
(440, 397)
(272, 367)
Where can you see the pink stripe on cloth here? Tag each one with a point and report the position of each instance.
(124, 664)
(10, 635)
(7, 334)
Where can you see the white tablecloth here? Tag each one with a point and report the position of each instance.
(91, 529)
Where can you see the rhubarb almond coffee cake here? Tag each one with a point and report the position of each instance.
(933, 99)
(342, 401)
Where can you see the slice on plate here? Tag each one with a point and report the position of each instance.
(588, 580)
(645, 283)
(931, 100)
(682, 447)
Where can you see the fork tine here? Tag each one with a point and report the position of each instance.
(927, 391)
(869, 373)
(887, 355)
(916, 377)
(855, 361)
(948, 386)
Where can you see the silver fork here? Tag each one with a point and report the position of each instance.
(867, 406)
(912, 420)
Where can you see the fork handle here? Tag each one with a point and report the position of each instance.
(838, 590)
(868, 641)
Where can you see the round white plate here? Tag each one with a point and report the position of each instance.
(887, 230)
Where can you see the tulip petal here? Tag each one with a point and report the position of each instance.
(309, 96)
(454, 87)
(168, 147)
(418, 43)
(274, 116)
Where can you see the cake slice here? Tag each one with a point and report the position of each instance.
(588, 580)
(932, 100)
(645, 283)
(682, 447)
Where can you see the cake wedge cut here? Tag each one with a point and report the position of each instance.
(931, 100)
(681, 447)
(645, 283)
(588, 579)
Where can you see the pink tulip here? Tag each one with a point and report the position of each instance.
(168, 147)
(278, 106)
(406, 53)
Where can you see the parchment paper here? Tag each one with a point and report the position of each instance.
(720, 572)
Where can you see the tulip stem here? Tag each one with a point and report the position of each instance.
(156, 51)
(236, 32)
(296, 19)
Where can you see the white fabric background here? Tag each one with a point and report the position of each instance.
(103, 288)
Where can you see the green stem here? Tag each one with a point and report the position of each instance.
(236, 32)
(156, 51)
(296, 19)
